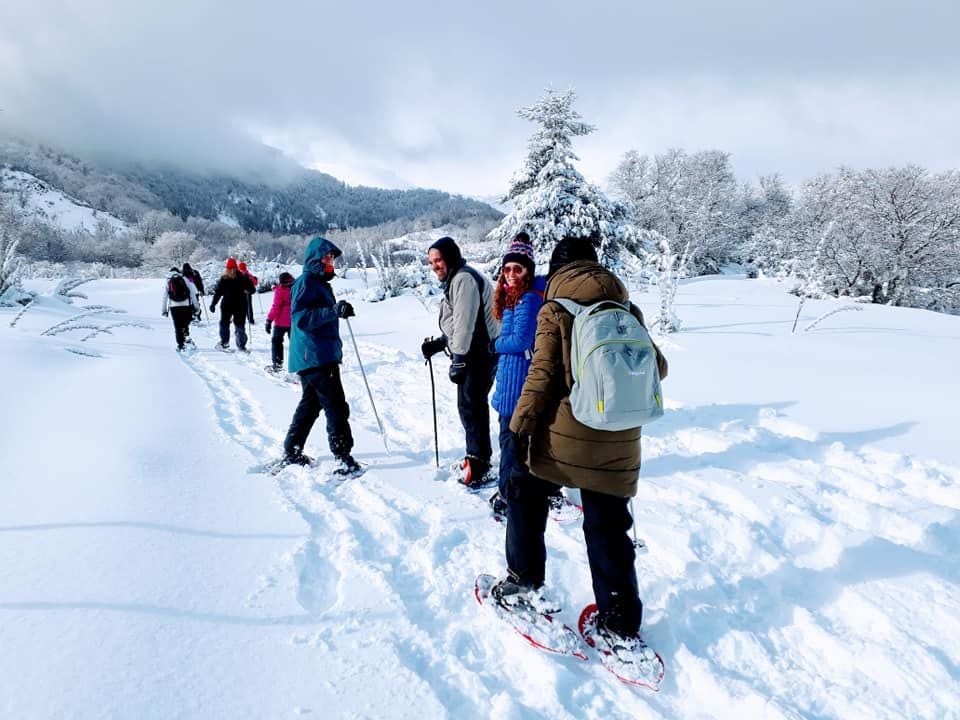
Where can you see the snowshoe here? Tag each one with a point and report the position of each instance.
(273, 467)
(223, 347)
(627, 657)
(562, 510)
(529, 614)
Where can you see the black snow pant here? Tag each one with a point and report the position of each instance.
(474, 405)
(606, 526)
(238, 316)
(276, 344)
(322, 390)
(181, 323)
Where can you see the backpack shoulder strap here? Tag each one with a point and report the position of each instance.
(574, 308)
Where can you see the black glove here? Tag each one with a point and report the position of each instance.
(269, 326)
(458, 369)
(345, 310)
(431, 346)
(521, 447)
(197, 316)
(213, 307)
(164, 313)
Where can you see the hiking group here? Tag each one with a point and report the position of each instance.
(555, 349)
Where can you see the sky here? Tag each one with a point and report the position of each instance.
(425, 93)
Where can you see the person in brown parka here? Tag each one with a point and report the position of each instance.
(560, 450)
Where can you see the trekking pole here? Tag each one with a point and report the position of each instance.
(433, 401)
(637, 543)
(369, 394)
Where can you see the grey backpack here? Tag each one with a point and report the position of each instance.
(616, 382)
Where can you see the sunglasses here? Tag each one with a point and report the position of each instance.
(513, 269)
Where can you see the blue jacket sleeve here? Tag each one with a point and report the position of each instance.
(520, 335)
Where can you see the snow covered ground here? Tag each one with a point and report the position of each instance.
(800, 502)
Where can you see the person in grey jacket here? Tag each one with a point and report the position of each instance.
(468, 327)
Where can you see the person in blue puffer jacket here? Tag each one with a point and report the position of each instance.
(517, 300)
(315, 355)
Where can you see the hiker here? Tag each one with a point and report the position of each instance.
(315, 355)
(278, 319)
(242, 267)
(516, 301)
(468, 327)
(233, 287)
(180, 301)
(560, 450)
(194, 276)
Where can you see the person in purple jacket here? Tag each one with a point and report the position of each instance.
(516, 302)
(278, 319)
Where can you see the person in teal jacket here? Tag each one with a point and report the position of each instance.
(315, 355)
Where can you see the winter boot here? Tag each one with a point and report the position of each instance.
(498, 506)
(296, 457)
(515, 596)
(347, 467)
(476, 472)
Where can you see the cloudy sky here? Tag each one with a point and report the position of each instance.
(425, 92)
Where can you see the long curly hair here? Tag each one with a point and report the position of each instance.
(506, 297)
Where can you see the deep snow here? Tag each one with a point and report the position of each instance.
(799, 500)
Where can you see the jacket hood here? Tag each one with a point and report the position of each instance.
(316, 249)
(586, 282)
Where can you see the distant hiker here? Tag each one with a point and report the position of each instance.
(315, 355)
(516, 302)
(468, 327)
(194, 277)
(560, 450)
(242, 267)
(180, 301)
(234, 289)
(278, 319)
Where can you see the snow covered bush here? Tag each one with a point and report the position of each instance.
(551, 199)
(397, 270)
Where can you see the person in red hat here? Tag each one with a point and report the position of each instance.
(242, 267)
(233, 289)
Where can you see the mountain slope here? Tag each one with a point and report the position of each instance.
(282, 198)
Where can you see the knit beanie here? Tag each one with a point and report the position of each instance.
(450, 252)
(242, 267)
(231, 264)
(286, 278)
(521, 252)
(571, 249)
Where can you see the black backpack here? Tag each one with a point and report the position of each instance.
(177, 289)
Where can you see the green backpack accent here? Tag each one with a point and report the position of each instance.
(616, 382)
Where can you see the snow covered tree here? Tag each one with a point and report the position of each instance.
(171, 248)
(689, 199)
(10, 261)
(551, 199)
(889, 236)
